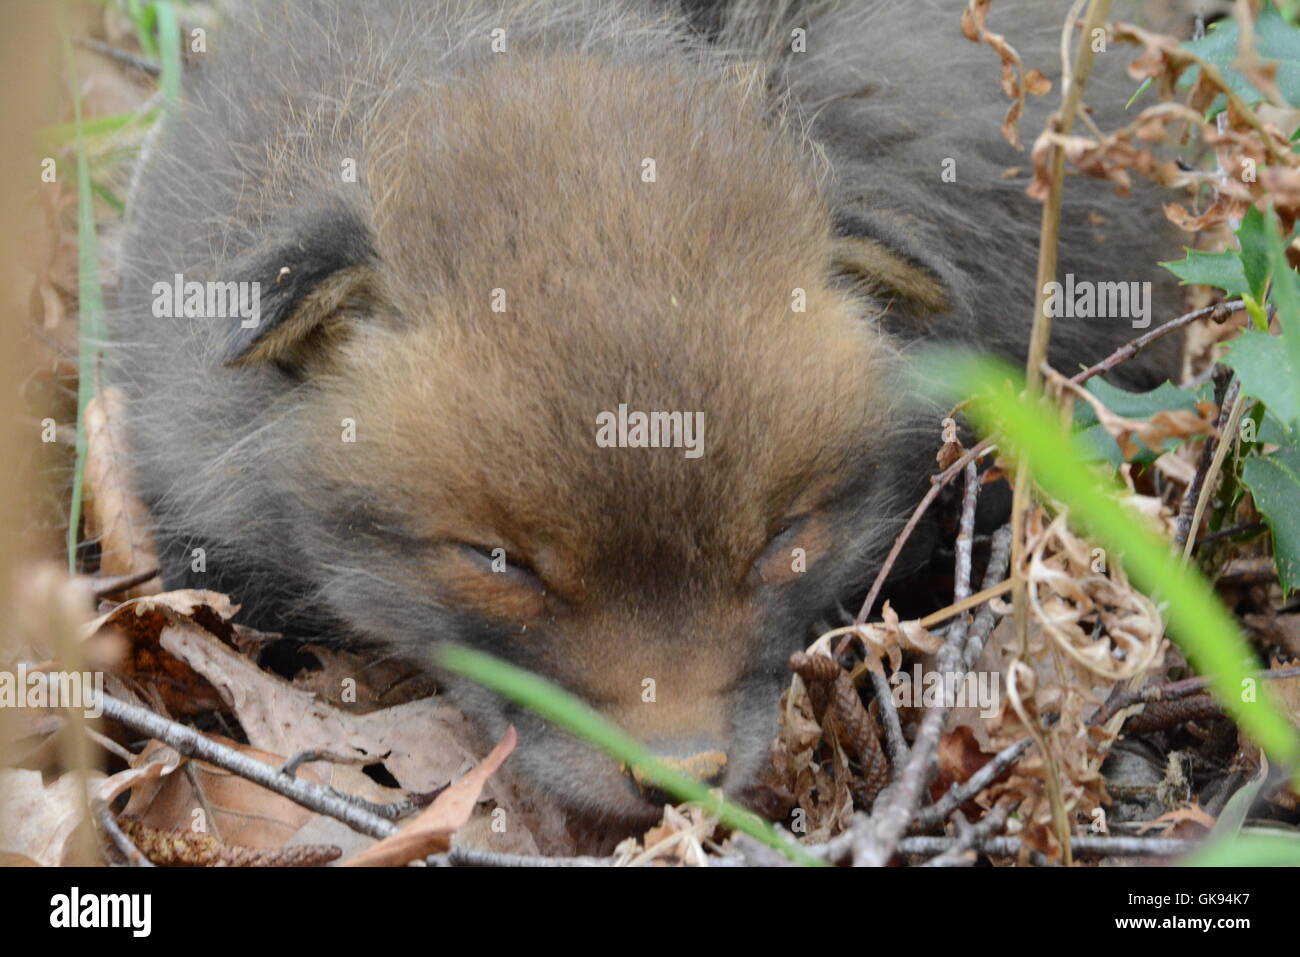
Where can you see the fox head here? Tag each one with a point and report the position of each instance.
(582, 376)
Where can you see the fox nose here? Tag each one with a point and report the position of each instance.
(707, 767)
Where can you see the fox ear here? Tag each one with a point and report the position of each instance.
(312, 278)
(874, 255)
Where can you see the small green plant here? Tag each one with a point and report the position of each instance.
(1268, 366)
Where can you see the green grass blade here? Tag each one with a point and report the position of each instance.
(108, 196)
(90, 293)
(169, 50)
(62, 134)
(1250, 848)
(143, 16)
(566, 711)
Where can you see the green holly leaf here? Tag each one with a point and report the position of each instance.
(1274, 482)
(1259, 361)
(1221, 270)
(1253, 237)
(1276, 40)
(1131, 405)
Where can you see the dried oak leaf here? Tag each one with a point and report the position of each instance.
(142, 621)
(423, 744)
(960, 756)
(211, 800)
(431, 832)
(890, 638)
(39, 822)
(357, 684)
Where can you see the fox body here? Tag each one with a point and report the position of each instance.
(581, 335)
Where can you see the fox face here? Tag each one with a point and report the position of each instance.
(476, 505)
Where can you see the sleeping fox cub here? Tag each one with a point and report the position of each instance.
(576, 331)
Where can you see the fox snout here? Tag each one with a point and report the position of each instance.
(698, 699)
(598, 787)
(706, 766)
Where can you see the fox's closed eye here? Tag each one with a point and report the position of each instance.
(779, 561)
(495, 559)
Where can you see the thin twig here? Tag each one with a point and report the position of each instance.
(838, 847)
(957, 607)
(869, 603)
(994, 573)
(1039, 336)
(895, 743)
(1216, 313)
(1172, 690)
(295, 761)
(318, 797)
(959, 794)
(1084, 845)
(964, 545)
(962, 552)
(115, 584)
(937, 483)
(476, 857)
(125, 57)
(113, 831)
(874, 843)
(1241, 529)
(1198, 494)
(876, 839)
(961, 854)
(1223, 377)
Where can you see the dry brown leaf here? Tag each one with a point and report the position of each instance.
(1222, 210)
(677, 841)
(423, 744)
(1017, 82)
(1153, 431)
(431, 832)
(211, 800)
(357, 684)
(142, 621)
(40, 821)
(115, 517)
(960, 756)
(1169, 821)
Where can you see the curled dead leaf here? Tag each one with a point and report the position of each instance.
(432, 830)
